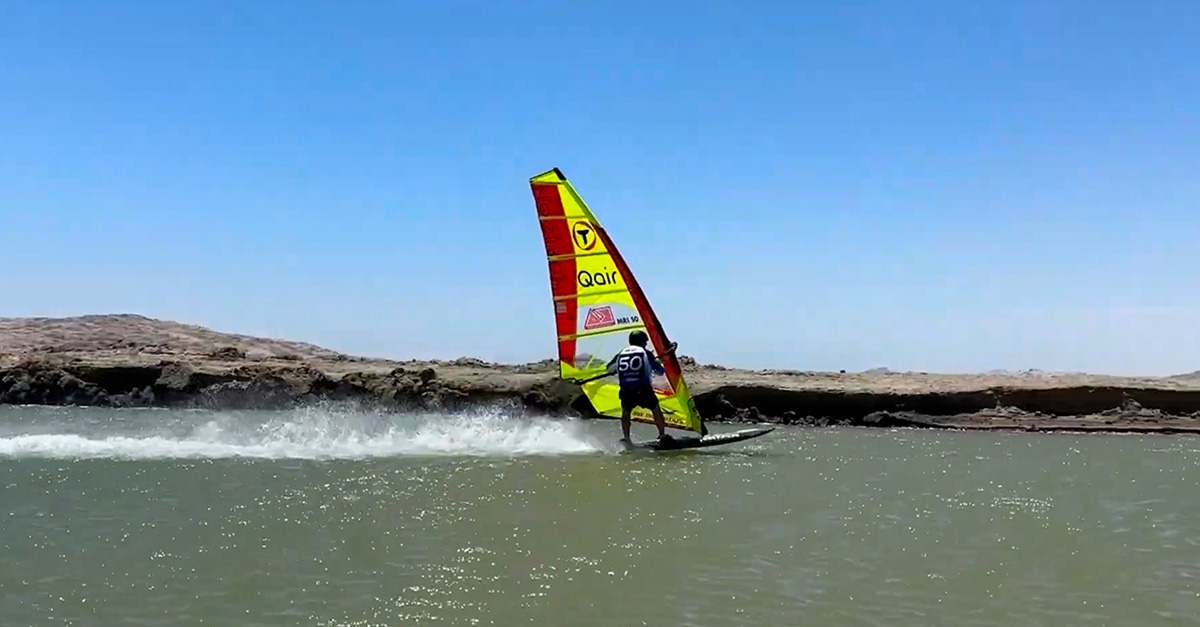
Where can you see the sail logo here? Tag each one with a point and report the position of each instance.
(598, 318)
(596, 279)
(584, 234)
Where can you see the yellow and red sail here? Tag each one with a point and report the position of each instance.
(597, 303)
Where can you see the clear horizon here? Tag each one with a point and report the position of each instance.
(939, 187)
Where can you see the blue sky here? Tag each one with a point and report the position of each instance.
(939, 186)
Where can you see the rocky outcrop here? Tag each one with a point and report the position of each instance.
(843, 405)
(175, 384)
(131, 361)
(1055, 409)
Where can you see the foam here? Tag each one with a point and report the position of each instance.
(312, 433)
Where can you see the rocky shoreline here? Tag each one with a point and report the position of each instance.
(132, 361)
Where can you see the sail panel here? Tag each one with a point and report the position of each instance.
(597, 304)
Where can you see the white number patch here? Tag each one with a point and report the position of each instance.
(628, 363)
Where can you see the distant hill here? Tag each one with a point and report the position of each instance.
(130, 360)
(134, 334)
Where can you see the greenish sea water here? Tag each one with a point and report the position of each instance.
(327, 517)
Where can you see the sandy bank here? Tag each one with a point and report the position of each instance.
(126, 360)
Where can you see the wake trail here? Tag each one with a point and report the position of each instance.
(314, 434)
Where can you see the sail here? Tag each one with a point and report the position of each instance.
(597, 303)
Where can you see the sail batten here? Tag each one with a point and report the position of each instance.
(597, 302)
(593, 294)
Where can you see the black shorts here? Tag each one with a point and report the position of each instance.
(638, 396)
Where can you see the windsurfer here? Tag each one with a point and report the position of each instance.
(633, 367)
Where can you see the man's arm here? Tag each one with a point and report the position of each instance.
(655, 364)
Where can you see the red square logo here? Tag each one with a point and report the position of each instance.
(598, 318)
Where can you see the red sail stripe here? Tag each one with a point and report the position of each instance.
(557, 236)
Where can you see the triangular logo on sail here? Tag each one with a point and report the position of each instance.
(585, 236)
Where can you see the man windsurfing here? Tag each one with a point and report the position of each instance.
(635, 366)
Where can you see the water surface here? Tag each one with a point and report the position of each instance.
(329, 517)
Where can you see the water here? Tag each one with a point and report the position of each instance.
(327, 517)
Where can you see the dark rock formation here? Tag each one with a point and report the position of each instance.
(131, 361)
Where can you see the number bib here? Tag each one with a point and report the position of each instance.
(633, 366)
